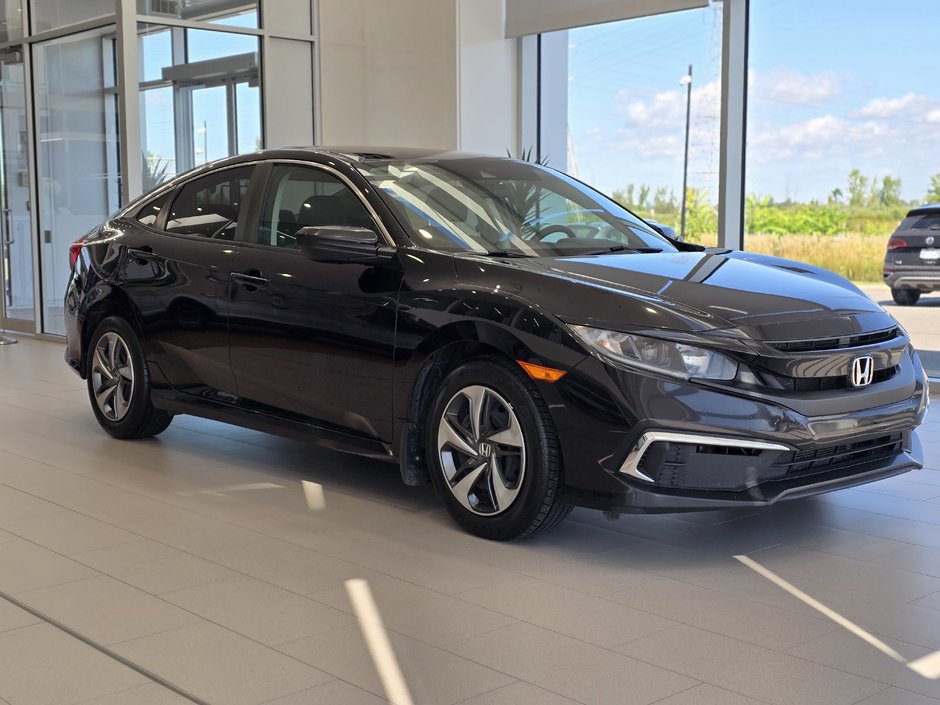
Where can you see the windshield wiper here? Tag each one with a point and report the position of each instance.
(503, 253)
(617, 248)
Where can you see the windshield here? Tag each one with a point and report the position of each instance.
(505, 207)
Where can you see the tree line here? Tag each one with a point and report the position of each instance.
(866, 205)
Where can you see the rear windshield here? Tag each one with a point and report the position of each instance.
(926, 221)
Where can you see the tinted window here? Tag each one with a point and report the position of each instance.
(483, 204)
(150, 211)
(209, 206)
(300, 196)
(926, 222)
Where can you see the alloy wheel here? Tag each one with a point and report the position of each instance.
(482, 450)
(112, 376)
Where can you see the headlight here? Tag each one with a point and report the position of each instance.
(677, 359)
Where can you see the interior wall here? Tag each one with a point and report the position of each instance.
(388, 73)
(488, 79)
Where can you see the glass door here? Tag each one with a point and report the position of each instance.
(17, 310)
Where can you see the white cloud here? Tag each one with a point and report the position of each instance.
(910, 106)
(883, 126)
(666, 110)
(793, 87)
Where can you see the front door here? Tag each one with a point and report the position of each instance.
(310, 338)
(16, 244)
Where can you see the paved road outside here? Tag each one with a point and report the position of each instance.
(922, 322)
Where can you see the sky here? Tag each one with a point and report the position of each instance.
(833, 85)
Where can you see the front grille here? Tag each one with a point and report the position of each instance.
(848, 341)
(825, 384)
(690, 466)
(836, 457)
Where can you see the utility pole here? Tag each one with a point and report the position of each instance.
(687, 82)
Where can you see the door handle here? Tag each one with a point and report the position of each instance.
(250, 280)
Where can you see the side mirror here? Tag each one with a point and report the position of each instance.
(334, 243)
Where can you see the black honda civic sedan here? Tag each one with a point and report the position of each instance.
(494, 327)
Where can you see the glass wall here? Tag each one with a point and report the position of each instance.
(200, 87)
(629, 94)
(199, 98)
(16, 242)
(77, 151)
(843, 140)
(11, 20)
(233, 13)
(52, 14)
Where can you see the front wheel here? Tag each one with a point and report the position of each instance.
(905, 297)
(494, 452)
(119, 383)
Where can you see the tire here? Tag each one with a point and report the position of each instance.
(905, 297)
(499, 472)
(119, 383)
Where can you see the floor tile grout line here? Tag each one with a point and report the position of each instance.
(159, 680)
(75, 559)
(522, 680)
(611, 649)
(804, 660)
(767, 603)
(721, 687)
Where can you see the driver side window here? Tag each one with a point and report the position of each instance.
(300, 196)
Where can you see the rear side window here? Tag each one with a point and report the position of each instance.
(210, 206)
(150, 211)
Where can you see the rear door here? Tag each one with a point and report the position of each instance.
(176, 271)
(313, 339)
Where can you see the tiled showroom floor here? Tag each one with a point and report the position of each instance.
(202, 558)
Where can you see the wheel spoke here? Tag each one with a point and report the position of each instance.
(477, 397)
(448, 435)
(120, 402)
(113, 351)
(126, 373)
(509, 436)
(502, 495)
(461, 490)
(103, 395)
(101, 365)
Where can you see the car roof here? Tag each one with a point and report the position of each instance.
(357, 154)
(348, 155)
(925, 209)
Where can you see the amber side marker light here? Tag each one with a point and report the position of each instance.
(546, 374)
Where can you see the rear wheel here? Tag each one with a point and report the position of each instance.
(494, 452)
(119, 383)
(905, 297)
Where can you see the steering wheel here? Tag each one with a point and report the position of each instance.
(552, 229)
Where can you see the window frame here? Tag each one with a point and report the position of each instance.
(257, 199)
(178, 188)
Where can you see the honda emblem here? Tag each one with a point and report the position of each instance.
(863, 371)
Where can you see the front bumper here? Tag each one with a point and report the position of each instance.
(640, 497)
(636, 443)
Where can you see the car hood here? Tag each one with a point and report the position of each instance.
(764, 297)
